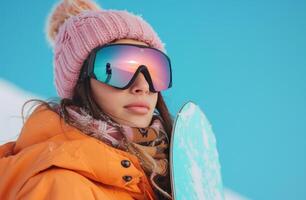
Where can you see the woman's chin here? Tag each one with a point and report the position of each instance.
(133, 120)
(136, 121)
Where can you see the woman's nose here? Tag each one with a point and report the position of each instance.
(140, 85)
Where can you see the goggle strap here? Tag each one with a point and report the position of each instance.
(87, 67)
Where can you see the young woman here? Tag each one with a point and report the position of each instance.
(108, 136)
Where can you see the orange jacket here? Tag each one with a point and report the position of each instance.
(52, 160)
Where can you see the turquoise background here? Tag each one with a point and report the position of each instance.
(243, 62)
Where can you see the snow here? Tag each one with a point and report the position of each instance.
(232, 195)
(12, 99)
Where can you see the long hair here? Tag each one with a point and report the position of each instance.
(83, 98)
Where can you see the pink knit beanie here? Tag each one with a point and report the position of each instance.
(75, 27)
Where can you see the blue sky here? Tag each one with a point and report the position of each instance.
(243, 62)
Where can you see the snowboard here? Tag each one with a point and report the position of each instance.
(194, 161)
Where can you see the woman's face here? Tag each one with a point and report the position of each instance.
(133, 106)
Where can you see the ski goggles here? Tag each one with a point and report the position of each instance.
(118, 65)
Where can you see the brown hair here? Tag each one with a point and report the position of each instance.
(82, 97)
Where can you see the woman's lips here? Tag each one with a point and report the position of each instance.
(138, 108)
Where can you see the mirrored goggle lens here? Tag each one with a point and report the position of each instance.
(116, 65)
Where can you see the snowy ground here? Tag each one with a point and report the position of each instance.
(11, 100)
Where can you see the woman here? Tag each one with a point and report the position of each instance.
(108, 137)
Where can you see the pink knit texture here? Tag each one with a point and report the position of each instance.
(82, 33)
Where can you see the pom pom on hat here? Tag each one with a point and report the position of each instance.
(62, 11)
(75, 27)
